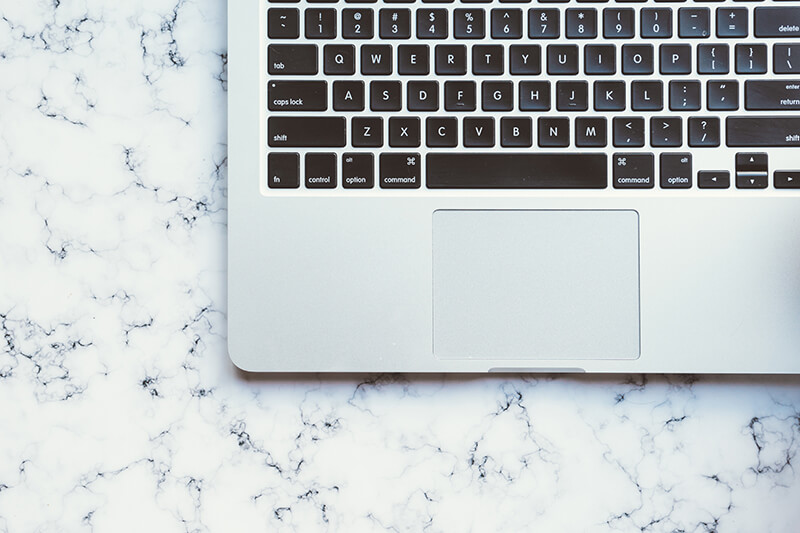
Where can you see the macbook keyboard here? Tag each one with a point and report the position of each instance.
(541, 94)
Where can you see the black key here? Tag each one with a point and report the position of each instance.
(618, 23)
(487, 59)
(283, 170)
(684, 95)
(320, 23)
(451, 59)
(459, 95)
(367, 132)
(572, 95)
(385, 96)
(320, 171)
(478, 132)
(675, 59)
(694, 22)
(544, 23)
(357, 23)
(358, 171)
(762, 131)
(394, 23)
(600, 59)
(497, 96)
(292, 59)
(752, 171)
(469, 24)
(633, 171)
(525, 59)
(283, 23)
(637, 59)
(731, 22)
(562, 59)
(786, 58)
(751, 58)
(516, 171)
(506, 23)
(348, 95)
(656, 23)
(441, 132)
(432, 24)
(360, 1)
(591, 132)
(401, 171)
(609, 96)
(704, 131)
(666, 132)
(713, 59)
(647, 96)
(786, 179)
(376, 59)
(284, 1)
(783, 21)
(322, 1)
(422, 96)
(722, 95)
(713, 179)
(628, 131)
(340, 59)
(581, 23)
(297, 95)
(516, 132)
(413, 59)
(306, 131)
(553, 132)
(771, 95)
(534, 96)
(676, 171)
(404, 132)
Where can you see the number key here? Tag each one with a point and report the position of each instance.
(357, 24)
(320, 24)
(544, 23)
(395, 23)
(618, 23)
(506, 23)
(581, 23)
(469, 24)
(431, 23)
(656, 23)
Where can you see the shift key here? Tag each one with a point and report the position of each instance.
(297, 95)
(310, 132)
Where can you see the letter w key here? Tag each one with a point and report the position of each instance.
(376, 59)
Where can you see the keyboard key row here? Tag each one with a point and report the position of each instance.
(535, 96)
(489, 60)
(524, 132)
(634, 170)
(542, 23)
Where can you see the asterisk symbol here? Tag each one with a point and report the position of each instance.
(580, 16)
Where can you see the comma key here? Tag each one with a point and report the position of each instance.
(401, 171)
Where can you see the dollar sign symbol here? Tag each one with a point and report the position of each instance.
(433, 17)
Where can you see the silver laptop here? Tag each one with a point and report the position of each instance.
(530, 186)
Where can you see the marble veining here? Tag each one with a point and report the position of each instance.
(121, 412)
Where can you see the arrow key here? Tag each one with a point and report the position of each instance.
(751, 170)
(787, 179)
(713, 179)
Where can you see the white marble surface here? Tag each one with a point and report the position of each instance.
(119, 410)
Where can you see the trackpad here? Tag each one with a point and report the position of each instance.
(536, 284)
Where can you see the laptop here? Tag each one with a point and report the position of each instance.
(528, 186)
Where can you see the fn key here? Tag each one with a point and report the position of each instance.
(283, 170)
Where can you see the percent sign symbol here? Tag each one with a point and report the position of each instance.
(469, 17)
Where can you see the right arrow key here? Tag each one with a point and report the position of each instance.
(787, 179)
(752, 170)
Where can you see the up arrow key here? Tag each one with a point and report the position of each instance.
(751, 171)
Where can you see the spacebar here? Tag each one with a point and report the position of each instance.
(516, 171)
